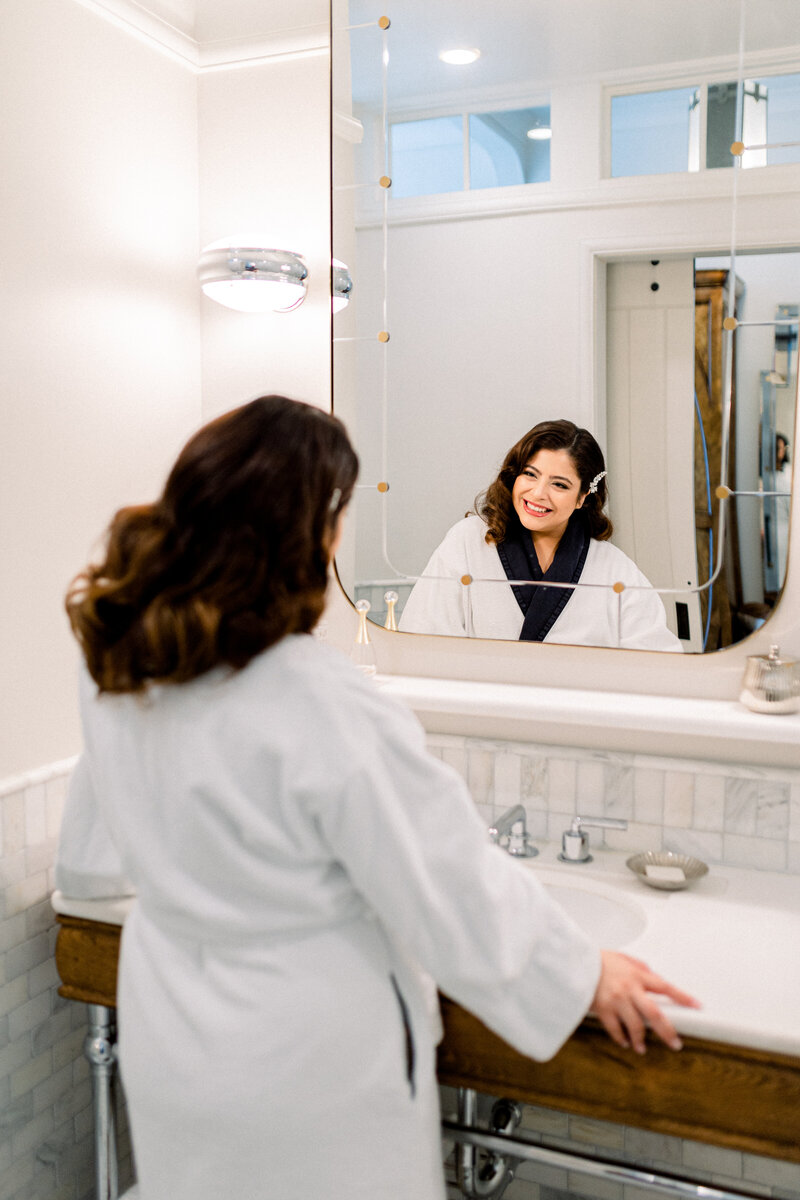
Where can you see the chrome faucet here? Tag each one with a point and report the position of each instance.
(575, 843)
(511, 832)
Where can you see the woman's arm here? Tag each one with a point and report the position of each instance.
(409, 836)
(87, 863)
(436, 603)
(643, 619)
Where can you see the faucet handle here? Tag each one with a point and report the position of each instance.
(575, 843)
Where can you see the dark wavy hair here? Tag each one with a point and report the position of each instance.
(495, 504)
(231, 558)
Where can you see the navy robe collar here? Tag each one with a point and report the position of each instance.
(542, 606)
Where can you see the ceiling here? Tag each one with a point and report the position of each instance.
(538, 41)
(523, 43)
(212, 21)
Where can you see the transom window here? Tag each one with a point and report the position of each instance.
(470, 150)
(692, 128)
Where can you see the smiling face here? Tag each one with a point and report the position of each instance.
(547, 492)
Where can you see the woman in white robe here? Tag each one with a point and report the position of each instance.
(294, 851)
(541, 520)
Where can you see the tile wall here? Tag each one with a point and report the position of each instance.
(723, 813)
(46, 1117)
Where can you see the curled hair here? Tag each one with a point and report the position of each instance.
(231, 558)
(495, 505)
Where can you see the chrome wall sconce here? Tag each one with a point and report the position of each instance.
(341, 285)
(244, 275)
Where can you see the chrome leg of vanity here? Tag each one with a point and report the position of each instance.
(505, 1149)
(100, 1049)
(491, 1178)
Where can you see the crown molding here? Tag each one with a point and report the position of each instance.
(278, 46)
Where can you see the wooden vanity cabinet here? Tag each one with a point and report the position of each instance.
(711, 1091)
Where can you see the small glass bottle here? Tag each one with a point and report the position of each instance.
(363, 651)
(390, 599)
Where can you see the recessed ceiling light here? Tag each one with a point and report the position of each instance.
(540, 133)
(459, 58)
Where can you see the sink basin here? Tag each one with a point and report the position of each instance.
(609, 921)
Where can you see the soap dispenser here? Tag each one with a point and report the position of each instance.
(771, 684)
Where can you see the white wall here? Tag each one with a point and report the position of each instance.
(99, 374)
(120, 162)
(264, 166)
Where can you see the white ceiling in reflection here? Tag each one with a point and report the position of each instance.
(546, 40)
(525, 41)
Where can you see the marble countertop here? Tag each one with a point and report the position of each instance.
(732, 940)
(685, 727)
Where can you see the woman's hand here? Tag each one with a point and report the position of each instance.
(623, 1004)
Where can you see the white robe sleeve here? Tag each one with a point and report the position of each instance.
(88, 866)
(643, 623)
(437, 601)
(643, 618)
(408, 834)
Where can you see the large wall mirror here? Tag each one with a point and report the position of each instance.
(594, 221)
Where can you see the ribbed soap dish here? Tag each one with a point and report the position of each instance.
(667, 871)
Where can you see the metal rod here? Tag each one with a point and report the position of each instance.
(489, 1180)
(794, 321)
(772, 146)
(514, 1146)
(99, 1049)
(363, 338)
(761, 493)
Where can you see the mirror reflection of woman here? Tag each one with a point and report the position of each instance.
(541, 519)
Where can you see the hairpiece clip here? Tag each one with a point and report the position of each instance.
(335, 498)
(596, 480)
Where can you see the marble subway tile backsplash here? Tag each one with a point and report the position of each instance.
(721, 812)
(46, 1114)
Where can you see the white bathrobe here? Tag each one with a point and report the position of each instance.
(595, 615)
(295, 852)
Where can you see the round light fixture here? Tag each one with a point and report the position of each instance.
(241, 273)
(459, 57)
(540, 133)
